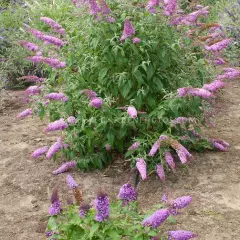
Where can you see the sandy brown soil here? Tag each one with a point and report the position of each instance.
(212, 179)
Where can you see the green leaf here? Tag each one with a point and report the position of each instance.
(110, 136)
(138, 75)
(113, 234)
(102, 74)
(94, 228)
(77, 233)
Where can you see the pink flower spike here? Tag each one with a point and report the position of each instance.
(136, 40)
(142, 168)
(57, 27)
(214, 86)
(220, 147)
(57, 97)
(57, 146)
(96, 102)
(160, 172)
(108, 147)
(65, 167)
(132, 112)
(170, 7)
(29, 45)
(180, 235)
(181, 202)
(33, 90)
(169, 160)
(128, 30)
(219, 45)
(71, 120)
(57, 125)
(39, 152)
(25, 113)
(89, 93)
(154, 148)
(134, 146)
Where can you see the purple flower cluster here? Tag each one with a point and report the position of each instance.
(25, 113)
(71, 182)
(191, 18)
(127, 194)
(169, 159)
(52, 62)
(154, 148)
(89, 93)
(57, 146)
(170, 7)
(214, 86)
(200, 92)
(57, 125)
(134, 146)
(182, 152)
(33, 90)
(142, 167)
(94, 8)
(220, 144)
(102, 207)
(39, 152)
(151, 6)
(181, 202)
(32, 79)
(55, 208)
(52, 40)
(219, 45)
(180, 120)
(28, 45)
(128, 30)
(96, 102)
(156, 219)
(57, 97)
(160, 172)
(57, 27)
(65, 167)
(230, 73)
(180, 235)
(157, 145)
(84, 209)
(132, 112)
(71, 120)
(219, 61)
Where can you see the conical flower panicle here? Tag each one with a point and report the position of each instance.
(156, 219)
(71, 182)
(160, 172)
(39, 152)
(180, 235)
(84, 209)
(25, 113)
(102, 207)
(127, 194)
(65, 167)
(142, 167)
(55, 208)
(169, 159)
(181, 202)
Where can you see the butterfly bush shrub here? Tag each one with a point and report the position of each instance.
(121, 79)
(119, 219)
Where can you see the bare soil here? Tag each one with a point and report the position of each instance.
(212, 178)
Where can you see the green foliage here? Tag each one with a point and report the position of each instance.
(124, 223)
(144, 75)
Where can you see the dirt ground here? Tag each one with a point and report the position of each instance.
(212, 179)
